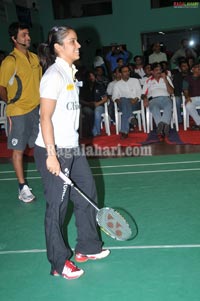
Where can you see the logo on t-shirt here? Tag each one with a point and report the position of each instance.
(70, 87)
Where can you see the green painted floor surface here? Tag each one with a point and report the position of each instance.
(161, 264)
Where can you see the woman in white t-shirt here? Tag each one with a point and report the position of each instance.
(56, 149)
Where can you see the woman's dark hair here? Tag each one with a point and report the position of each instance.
(46, 51)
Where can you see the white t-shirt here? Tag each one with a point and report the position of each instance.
(157, 57)
(59, 85)
(154, 88)
(110, 87)
(128, 89)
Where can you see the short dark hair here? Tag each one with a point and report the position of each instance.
(147, 64)
(195, 64)
(183, 61)
(119, 58)
(137, 56)
(122, 67)
(15, 27)
(155, 65)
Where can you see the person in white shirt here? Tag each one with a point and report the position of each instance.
(156, 94)
(157, 56)
(56, 149)
(126, 94)
(116, 75)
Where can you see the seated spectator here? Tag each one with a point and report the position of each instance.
(87, 105)
(116, 76)
(157, 56)
(177, 80)
(126, 94)
(191, 89)
(191, 61)
(100, 76)
(115, 53)
(120, 62)
(138, 60)
(92, 98)
(156, 94)
(147, 74)
(165, 68)
(147, 71)
(133, 74)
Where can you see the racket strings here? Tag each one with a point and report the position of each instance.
(113, 224)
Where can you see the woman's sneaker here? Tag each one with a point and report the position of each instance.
(83, 258)
(70, 271)
(25, 194)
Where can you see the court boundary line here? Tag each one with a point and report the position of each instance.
(189, 246)
(123, 173)
(120, 166)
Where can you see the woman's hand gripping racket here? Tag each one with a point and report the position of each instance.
(109, 220)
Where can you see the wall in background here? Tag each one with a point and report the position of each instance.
(129, 19)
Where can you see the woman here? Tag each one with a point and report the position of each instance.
(57, 149)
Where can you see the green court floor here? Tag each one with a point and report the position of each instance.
(161, 264)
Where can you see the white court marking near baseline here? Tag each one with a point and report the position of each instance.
(120, 166)
(123, 173)
(189, 246)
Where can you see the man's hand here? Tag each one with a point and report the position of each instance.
(145, 102)
(134, 100)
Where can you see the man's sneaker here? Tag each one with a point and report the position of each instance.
(160, 128)
(70, 271)
(133, 121)
(83, 258)
(195, 127)
(26, 195)
(166, 130)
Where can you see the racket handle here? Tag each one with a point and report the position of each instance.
(65, 178)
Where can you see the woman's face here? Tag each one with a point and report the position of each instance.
(69, 51)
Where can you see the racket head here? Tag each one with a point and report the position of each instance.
(113, 223)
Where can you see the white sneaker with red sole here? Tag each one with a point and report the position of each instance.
(70, 271)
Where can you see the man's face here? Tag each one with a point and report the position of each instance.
(23, 38)
(138, 61)
(125, 73)
(184, 67)
(117, 75)
(196, 70)
(147, 70)
(156, 72)
(156, 47)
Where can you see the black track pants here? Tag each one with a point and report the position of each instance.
(57, 195)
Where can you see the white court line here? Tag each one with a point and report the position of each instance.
(189, 246)
(123, 173)
(120, 166)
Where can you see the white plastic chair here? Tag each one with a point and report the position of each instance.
(118, 115)
(140, 114)
(174, 119)
(186, 120)
(3, 117)
(106, 119)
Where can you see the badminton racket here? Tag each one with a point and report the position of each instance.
(109, 220)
